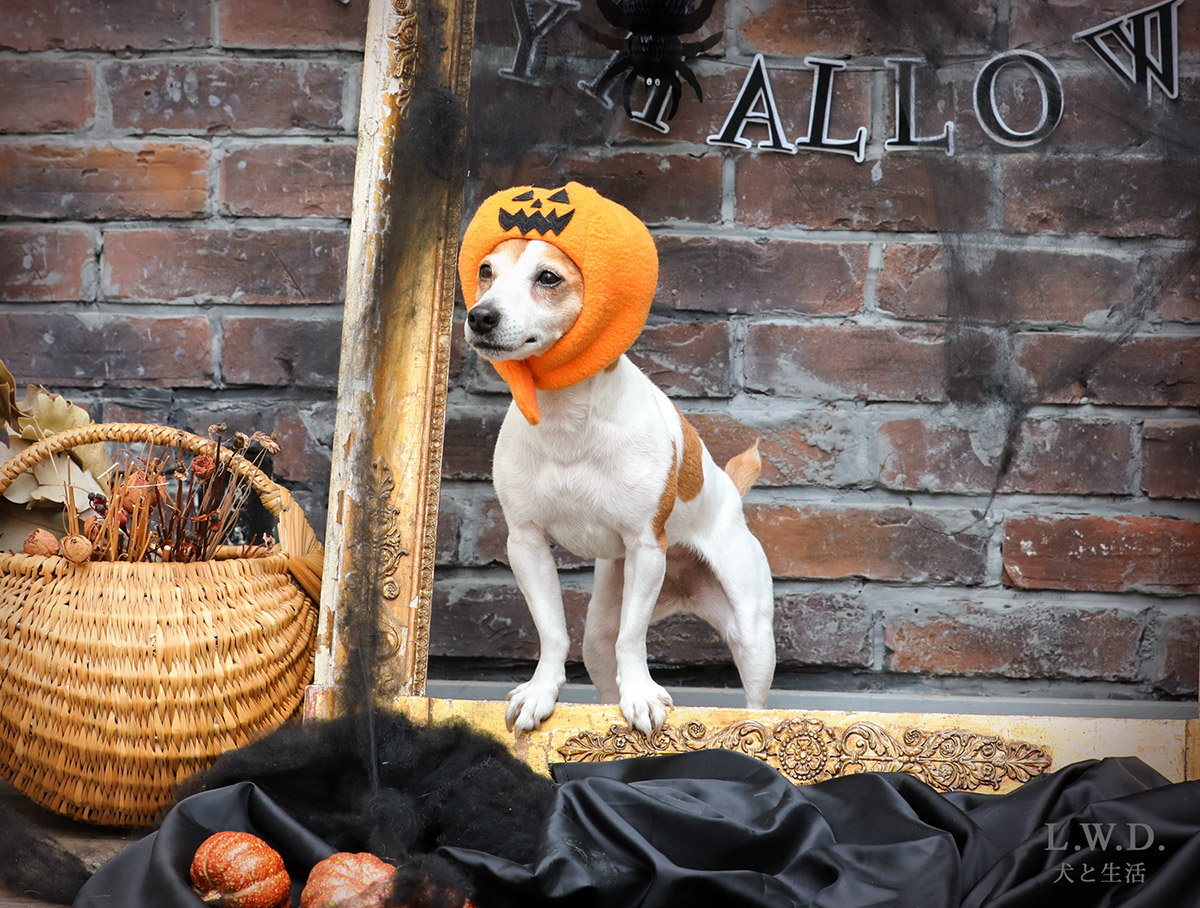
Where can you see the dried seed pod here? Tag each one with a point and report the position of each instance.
(77, 549)
(135, 489)
(92, 527)
(41, 542)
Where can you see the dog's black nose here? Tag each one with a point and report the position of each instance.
(483, 318)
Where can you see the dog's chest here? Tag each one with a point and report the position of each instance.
(588, 491)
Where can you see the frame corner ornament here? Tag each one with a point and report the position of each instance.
(806, 750)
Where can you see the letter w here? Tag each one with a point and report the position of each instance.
(1097, 835)
(1141, 47)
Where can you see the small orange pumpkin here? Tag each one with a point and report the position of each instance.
(240, 870)
(347, 880)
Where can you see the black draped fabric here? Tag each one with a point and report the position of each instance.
(723, 829)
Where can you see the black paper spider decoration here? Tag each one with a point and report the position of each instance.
(653, 51)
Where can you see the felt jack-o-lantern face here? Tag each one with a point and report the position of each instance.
(538, 218)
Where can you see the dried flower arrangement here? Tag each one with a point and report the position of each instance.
(159, 504)
(164, 507)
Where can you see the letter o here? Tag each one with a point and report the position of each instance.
(988, 114)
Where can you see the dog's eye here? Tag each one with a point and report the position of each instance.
(485, 272)
(549, 279)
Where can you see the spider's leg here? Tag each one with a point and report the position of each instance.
(612, 42)
(676, 92)
(614, 14)
(687, 73)
(695, 48)
(692, 22)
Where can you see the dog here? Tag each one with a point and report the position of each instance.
(592, 455)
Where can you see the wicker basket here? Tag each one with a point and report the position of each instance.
(118, 680)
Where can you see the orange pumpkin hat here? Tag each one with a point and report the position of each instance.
(614, 251)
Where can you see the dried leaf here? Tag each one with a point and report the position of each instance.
(49, 413)
(10, 410)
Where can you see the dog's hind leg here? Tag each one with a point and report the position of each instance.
(603, 624)
(746, 622)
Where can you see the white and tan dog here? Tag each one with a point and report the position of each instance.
(609, 468)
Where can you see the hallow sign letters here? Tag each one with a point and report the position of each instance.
(1141, 48)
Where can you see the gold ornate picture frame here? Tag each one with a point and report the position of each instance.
(376, 608)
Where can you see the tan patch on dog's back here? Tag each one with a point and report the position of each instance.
(691, 473)
(666, 504)
(684, 481)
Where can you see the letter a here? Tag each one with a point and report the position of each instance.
(755, 104)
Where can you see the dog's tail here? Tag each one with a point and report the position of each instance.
(745, 468)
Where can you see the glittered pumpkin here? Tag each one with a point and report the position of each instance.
(240, 870)
(348, 880)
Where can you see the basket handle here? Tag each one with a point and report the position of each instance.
(296, 537)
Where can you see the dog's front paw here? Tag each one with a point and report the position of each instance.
(644, 705)
(530, 704)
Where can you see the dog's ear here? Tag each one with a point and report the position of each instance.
(745, 468)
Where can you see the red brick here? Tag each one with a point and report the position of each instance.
(1143, 371)
(281, 352)
(847, 361)
(484, 539)
(111, 25)
(686, 359)
(656, 187)
(448, 530)
(251, 266)
(1177, 640)
(1110, 554)
(153, 405)
(305, 438)
(1051, 457)
(1011, 285)
(212, 95)
(832, 192)
(286, 24)
(861, 28)
(1171, 459)
(820, 448)
(827, 629)
(891, 544)
(831, 630)
(44, 95)
(120, 180)
(469, 440)
(1121, 196)
(720, 275)
(85, 351)
(1179, 286)
(490, 620)
(287, 179)
(1031, 640)
(46, 263)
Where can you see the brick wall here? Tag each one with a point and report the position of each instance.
(175, 180)
(974, 376)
